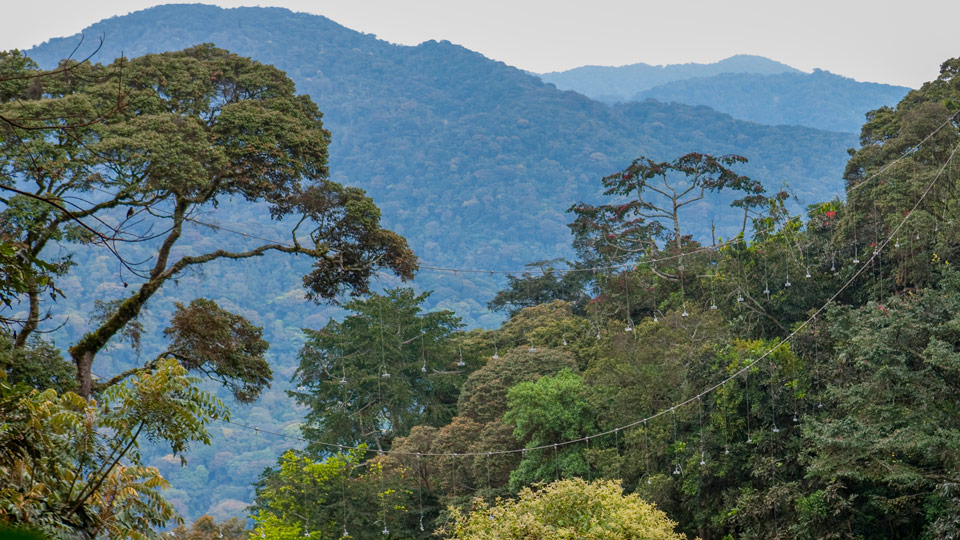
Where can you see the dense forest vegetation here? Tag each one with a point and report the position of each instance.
(790, 376)
(797, 380)
(745, 87)
(616, 84)
(820, 99)
(474, 162)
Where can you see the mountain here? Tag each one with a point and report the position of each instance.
(474, 161)
(467, 156)
(615, 84)
(820, 99)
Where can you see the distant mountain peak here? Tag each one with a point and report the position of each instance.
(751, 63)
(621, 83)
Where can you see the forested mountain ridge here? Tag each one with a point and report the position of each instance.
(439, 134)
(475, 162)
(621, 83)
(745, 87)
(820, 99)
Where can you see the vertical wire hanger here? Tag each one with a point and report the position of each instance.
(796, 402)
(343, 494)
(703, 460)
(383, 503)
(773, 402)
(876, 229)
(683, 292)
(344, 402)
(714, 265)
(676, 467)
(629, 327)
(786, 240)
(816, 358)
(488, 467)
(420, 486)
(646, 450)
(343, 360)
(726, 425)
(766, 281)
(384, 374)
(586, 458)
(556, 461)
(460, 362)
(856, 242)
(423, 350)
(739, 248)
(878, 263)
(616, 447)
(655, 304)
(454, 467)
(749, 404)
(599, 304)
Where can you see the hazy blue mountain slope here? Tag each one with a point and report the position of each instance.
(820, 99)
(474, 161)
(614, 84)
(462, 152)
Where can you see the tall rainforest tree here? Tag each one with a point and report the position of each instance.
(638, 240)
(190, 129)
(97, 157)
(387, 367)
(650, 201)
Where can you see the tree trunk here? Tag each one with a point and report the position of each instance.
(84, 362)
(89, 345)
(33, 319)
(87, 348)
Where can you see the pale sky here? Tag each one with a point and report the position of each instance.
(888, 41)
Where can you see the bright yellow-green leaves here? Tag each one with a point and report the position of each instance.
(321, 498)
(565, 510)
(71, 464)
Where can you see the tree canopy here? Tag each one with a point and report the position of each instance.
(567, 509)
(97, 157)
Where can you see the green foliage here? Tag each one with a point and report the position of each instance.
(926, 245)
(483, 396)
(224, 346)
(648, 338)
(185, 130)
(650, 205)
(312, 498)
(532, 289)
(473, 161)
(546, 325)
(140, 148)
(545, 412)
(38, 365)
(62, 477)
(566, 509)
(387, 367)
(21, 272)
(892, 433)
